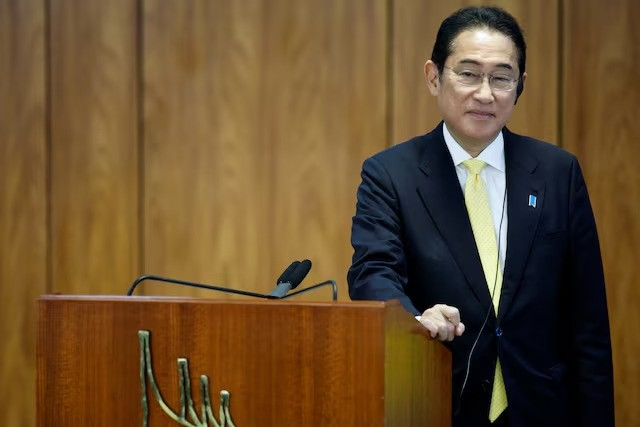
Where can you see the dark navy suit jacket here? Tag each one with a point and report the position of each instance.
(413, 241)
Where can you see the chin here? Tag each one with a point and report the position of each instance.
(483, 129)
(482, 136)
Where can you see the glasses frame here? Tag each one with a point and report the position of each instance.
(490, 78)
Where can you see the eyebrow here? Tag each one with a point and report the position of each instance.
(474, 62)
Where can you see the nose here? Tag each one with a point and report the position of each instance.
(484, 93)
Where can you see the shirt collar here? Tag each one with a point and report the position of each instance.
(493, 155)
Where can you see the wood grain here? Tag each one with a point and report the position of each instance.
(326, 79)
(601, 127)
(94, 150)
(257, 116)
(206, 164)
(415, 24)
(23, 154)
(299, 364)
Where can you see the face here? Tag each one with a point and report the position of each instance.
(475, 114)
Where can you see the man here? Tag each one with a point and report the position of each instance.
(488, 237)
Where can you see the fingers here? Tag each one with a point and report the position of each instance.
(431, 326)
(451, 313)
(443, 322)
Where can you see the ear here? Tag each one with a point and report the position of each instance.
(520, 87)
(432, 77)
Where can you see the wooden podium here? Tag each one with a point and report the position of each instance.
(283, 363)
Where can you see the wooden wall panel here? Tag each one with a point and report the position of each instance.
(94, 151)
(257, 116)
(415, 24)
(204, 154)
(22, 202)
(327, 81)
(601, 110)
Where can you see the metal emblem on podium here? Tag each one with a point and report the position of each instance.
(187, 416)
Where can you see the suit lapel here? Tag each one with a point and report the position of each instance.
(522, 182)
(442, 197)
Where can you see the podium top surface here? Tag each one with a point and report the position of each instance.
(198, 300)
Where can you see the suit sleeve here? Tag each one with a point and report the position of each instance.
(378, 270)
(591, 343)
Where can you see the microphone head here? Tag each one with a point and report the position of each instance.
(286, 275)
(299, 273)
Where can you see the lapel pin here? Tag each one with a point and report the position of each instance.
(533, 200)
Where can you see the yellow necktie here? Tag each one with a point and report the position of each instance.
(477, 201)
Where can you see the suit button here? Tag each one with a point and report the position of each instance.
(486, 386)
(498, 331)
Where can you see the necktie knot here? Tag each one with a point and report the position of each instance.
(475, 166)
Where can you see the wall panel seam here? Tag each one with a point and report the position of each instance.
(390, 63)
(560, 75)
(48, 146)
(140, 134)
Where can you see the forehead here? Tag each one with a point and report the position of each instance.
(485, 47)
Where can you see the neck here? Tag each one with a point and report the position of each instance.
(474, 150)
(473, 147)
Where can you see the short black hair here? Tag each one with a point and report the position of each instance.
(493, 18)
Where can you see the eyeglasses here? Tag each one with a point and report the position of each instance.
(474, 78)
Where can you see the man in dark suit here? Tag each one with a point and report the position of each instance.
(489, 239)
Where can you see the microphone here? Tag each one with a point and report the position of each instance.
(286, 274)
(290, 278)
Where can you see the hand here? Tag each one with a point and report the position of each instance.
(443, 322)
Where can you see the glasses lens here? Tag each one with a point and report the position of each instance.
(502, 82)
(469, 78)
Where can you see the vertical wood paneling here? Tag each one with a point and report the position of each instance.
(94, 189)
(257, 116)
(326, 85)
(601, 110)
(206, 161)
(416, 23)
(22, 202)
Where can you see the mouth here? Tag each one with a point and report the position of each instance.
(481, 115)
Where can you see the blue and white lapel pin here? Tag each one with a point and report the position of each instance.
(533, 200)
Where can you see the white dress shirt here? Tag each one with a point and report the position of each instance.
(494, 176)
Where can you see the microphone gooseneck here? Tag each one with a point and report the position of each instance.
(192, 284)
(290, 278)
